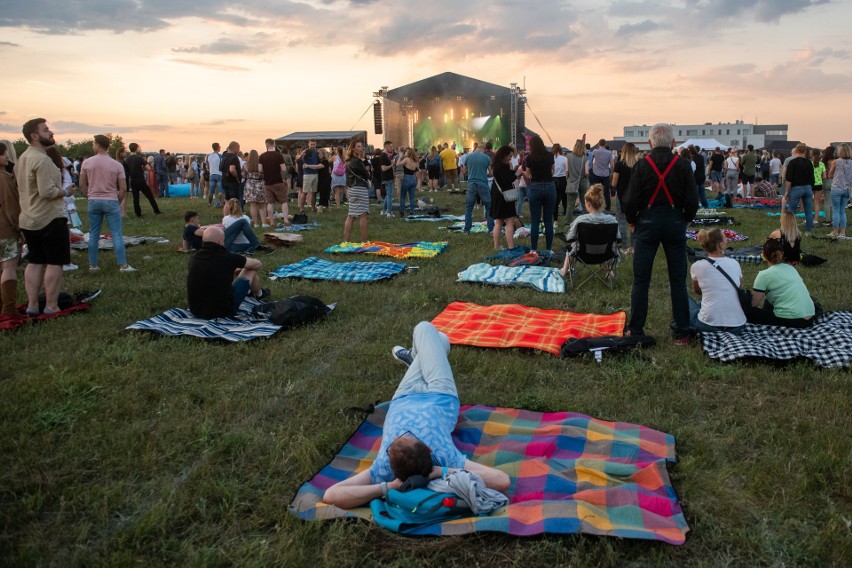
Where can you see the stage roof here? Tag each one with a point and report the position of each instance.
(447, 85)
(324, 138)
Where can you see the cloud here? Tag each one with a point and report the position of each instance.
(9, 44)
(74, 127)
(642, 27)
(221, 46)
(207, 64)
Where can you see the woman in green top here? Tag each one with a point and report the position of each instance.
(819, 172)
(787, 301)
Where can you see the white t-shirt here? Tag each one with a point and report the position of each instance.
(775, 166)
(560, 165)
(229, 220)
(720, 304)
(213, 161)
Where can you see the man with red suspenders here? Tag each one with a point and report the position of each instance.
(659, 205)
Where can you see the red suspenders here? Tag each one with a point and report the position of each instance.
(661, 181)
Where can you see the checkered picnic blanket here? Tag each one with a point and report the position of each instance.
(419, 249)
(514, 325)
(732, 236)
(541, 278)
(317, 269)
(243, 327)
(828, 342)
(570, 473)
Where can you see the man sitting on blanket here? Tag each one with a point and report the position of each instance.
(218, 281)
(416, 436)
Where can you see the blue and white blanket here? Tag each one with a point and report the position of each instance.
(318, 269)
(541, 278)
(243, 327)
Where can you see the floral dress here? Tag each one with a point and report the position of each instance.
(254, 188)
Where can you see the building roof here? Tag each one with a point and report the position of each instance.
(782, 145)
(447, 85)
(324, 138)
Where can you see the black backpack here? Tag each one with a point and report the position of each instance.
(296, 310)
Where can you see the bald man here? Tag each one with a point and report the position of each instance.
(218, 281)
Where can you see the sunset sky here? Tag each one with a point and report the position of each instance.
(180, 74)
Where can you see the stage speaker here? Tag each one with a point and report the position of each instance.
(521, 121)
(377, 116)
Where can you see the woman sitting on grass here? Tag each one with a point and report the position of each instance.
(594, 202)
(787, 301)
(238, 234)
(790, 237)
(719, 309)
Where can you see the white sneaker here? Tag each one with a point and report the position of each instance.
(127, 268)
(69, 267)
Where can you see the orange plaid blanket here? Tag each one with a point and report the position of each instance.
(513, 325)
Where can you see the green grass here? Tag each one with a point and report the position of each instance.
(122, 448)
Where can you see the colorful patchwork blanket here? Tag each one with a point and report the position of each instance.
(513, 325)
(732, 236)
(105, 242)
(419, 249)
(828, 342)
(541, 278)
(243, 327)
(317, 269)
(570, 473)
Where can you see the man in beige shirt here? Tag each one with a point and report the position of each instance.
(42, 219)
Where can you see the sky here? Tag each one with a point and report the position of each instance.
(180, 74)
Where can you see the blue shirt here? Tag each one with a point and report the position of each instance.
(477, 168)
(310, 158)
(431, 417)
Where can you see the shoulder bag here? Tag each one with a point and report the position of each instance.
(743, 295)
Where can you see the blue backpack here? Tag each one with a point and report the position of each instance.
(405, 512)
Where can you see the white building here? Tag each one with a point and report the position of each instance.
(737, 134)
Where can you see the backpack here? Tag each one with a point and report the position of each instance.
(405, 512)
(339, 168)
(296, 310)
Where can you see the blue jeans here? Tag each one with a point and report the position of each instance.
(215, 187)
(409, 187)
(474, 190)
(241, 226)
(805, 194)
(430, 372)
(659, 226)
(388, 186)
(240, 289)
(522, 196)
(702, 195)
(698, 325)
(623, 229)
(542, 195)
(98, 209)
(839, 200)
(163, 184)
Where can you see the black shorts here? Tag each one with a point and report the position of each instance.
(434, 172)
(747, 178)
(49, 245)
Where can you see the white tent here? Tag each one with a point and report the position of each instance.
(704, 144)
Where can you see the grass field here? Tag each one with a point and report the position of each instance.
(122, 448)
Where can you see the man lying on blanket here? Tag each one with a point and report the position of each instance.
(416, 434)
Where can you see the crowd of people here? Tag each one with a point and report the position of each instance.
(655, 195)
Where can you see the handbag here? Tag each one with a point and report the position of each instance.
(743, 295)
(510, 194)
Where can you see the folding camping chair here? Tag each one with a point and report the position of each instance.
(594, 250)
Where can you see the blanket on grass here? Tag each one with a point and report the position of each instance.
(828, 342)
(713, 220)
(799, 215)
(10, 322)
(295, 228)
(732, 236)
(433, 218)
(513, 325)
(541, 278)
(105, 242)
(475, 227)
(570, 473)
(317, 269)
(508, 255)
(749, 255)
(243, 327)
(419, 249)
